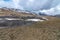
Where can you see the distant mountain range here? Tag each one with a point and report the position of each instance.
(57, 15)
(28, 12)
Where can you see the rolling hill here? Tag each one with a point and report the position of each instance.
(47, 30)
(14, 12)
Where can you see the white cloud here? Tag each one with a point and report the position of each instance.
(31, 0)
(30, 3)
(16, 4)
(52, 5)
(27, 4)
(5, 4)
(52, 11)
(12, 4)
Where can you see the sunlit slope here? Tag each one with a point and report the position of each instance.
(7, 12)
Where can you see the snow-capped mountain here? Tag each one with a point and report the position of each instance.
(39, 12)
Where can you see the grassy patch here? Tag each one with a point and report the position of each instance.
(47, 30)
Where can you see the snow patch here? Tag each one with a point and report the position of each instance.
(35, 20)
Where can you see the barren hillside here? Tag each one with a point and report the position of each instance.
(47, 30)
(8, 12)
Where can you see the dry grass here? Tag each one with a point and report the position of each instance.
(13, 13)
(48, 30)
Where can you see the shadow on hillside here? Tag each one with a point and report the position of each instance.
(11, 23)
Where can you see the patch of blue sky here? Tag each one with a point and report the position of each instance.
(7, 0)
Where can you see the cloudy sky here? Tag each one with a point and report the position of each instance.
(47, 6)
